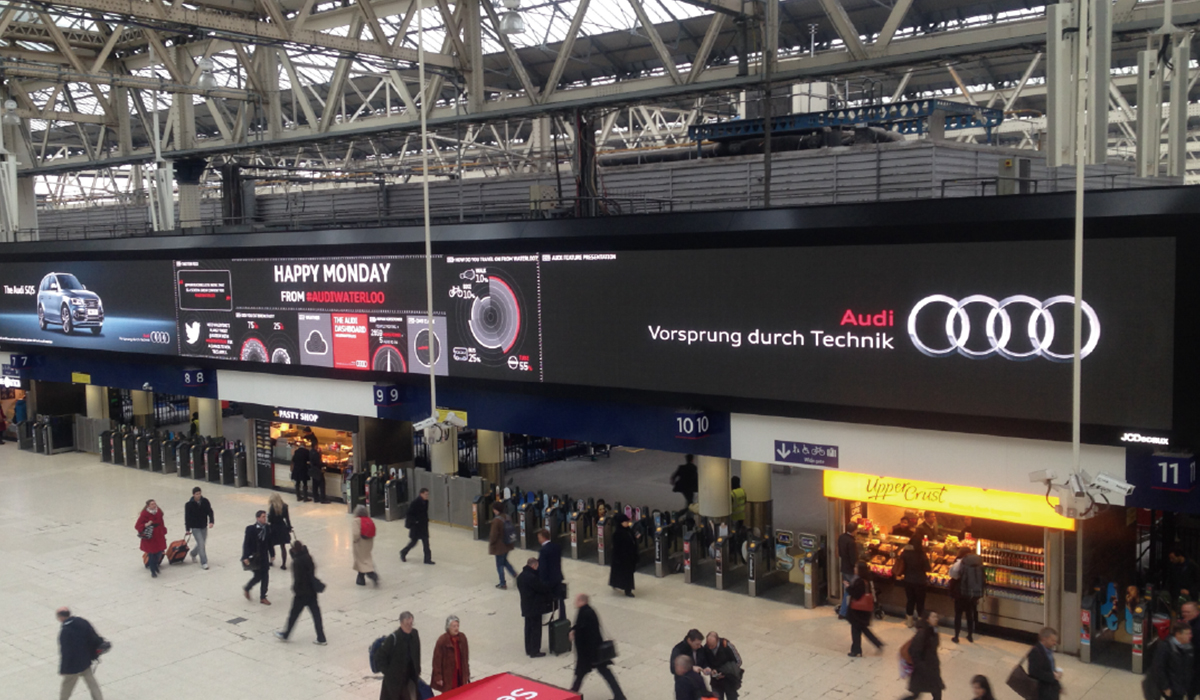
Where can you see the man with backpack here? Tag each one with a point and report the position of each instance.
(398, 657)
(79, 646)
(966, 585)
(501, 540)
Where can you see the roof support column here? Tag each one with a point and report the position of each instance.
(1149, 114)
(1177, 127)
(472, 24)
(1099, 66)
(1060, 93)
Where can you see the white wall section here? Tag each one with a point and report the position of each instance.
(331, 395)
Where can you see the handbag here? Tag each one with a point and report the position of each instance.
(148, 531)
(318, 585)
(1022, 683)
(606, 652)
(865, 603)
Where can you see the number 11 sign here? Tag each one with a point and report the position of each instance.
(1174, 473)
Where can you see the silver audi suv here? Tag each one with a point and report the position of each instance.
(63, 301)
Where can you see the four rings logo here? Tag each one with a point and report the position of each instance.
(1040, 328)
(160, 337)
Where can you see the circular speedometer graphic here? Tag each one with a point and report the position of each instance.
(388, 359)
(496, 318)
(253, 350)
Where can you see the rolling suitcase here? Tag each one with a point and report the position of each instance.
(560, 640)
(178, 550)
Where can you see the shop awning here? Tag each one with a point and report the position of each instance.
(507, 685)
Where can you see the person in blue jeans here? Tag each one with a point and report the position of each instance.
(499, 546)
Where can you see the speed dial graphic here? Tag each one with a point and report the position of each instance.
(428, 347)
(253, 350)
(496, 317)
(388, 359)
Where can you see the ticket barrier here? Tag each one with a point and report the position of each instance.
(698, 567)
(196, 457)
(1145, 639)
(106, 447)
(356, 491)
(603, 536)
(25, 436)
(154, 452)
(183, 458)
(809, 555)
(233, 465)
(117, 442)
(481, 514)
(375, 498)
(212, 462)
(529, 519)
(168, 455)
(730, 569)
(131, 450)
(142, 448)
(761, 570)
(643, 535)
(554, 519)
(395, 499)
(668, 547)
(581, 525)
(41, 437)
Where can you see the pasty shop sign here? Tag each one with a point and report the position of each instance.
(1005, 506)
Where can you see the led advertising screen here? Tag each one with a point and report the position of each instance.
(974, 328)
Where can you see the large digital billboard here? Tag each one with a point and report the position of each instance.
(972, 328)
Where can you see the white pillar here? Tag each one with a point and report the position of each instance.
(443, 456)
(714, 486)
(143, 408)
(756, 482)
(1060, 89)
(1177, 129)
(490, 455)
(1149, 113)
(210, 417)
(97, 401)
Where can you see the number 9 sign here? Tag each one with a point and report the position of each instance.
(387, 395)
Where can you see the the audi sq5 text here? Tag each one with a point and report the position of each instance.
(64, 302)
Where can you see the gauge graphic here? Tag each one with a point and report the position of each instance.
(428, 352)
(496, 318)
(388, 359)
(280, 356)
(253, 350)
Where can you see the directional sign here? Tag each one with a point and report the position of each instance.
(808, 454)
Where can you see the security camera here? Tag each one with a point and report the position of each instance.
(426, 423)
(1043, 475)
(1112, 484)
(147, 387)
(1075, 486)
(454, 420)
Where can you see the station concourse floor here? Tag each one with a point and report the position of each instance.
(67, 538)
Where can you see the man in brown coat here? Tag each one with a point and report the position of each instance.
(499, 545)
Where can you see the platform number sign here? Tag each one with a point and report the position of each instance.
(387, 395)
(692, 425)
(195, 377)
(1174, 473)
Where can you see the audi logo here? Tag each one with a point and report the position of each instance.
(1039, 341)
(160, 337)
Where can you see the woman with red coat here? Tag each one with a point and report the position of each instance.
(451, 660)
(153, 532)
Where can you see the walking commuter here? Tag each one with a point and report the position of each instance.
(689, 647)
(927, 668)
(417, 522)
(862, 607)
(550, 571)
(281, 527)
(194, 429)
(498, 544)
(451, 666)
(588, 638)
(981, 688)
(400, 658)
(847, 550)
(305, 587)
(689, 684)
(914, 567)
(624, 555)
(1042, 667)
(724, 664)
(198, 518)
(535, 602)
(1183, 576)
(78, 646)
(316, 471)
(300, 475)
(1191, 615)
(153, 534)
(966, 587)
(256, 556)
(1174, 666)
(362, 534)
(686, 480)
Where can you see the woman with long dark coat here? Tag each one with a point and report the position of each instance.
(624, 555)
(927, 668)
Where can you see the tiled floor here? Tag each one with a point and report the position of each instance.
(67, 538)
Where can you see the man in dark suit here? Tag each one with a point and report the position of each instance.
(79, 645)
(689, 647)
(535, 601)
(550, 570)
(417, 522)
(300, 475)
(1191, 615)
(256, 554)
(316, 470)
(587, 637)
(1042, 667)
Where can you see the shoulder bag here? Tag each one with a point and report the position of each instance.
(607, 651)
(1022, 683)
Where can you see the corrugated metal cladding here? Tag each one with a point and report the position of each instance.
(869, 173)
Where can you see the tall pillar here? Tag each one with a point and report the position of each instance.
(193, 406)
(143, 408)
(443, 456)
(97, 401)
(1177, 125)
(210, 417)
(27, 213)
(714, 486)
(1149, 113)
(188, 172)
(490, 455)
(756, 482)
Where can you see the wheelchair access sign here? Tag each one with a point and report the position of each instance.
(808, 454)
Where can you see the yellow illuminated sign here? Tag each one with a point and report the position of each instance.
(1006, 506)
(81, 378)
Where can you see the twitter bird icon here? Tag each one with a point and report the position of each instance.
(192, 330)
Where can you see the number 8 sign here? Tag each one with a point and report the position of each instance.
(195, 377)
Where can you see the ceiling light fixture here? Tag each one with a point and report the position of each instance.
(10, 118)
(206, 81)
(511, 22)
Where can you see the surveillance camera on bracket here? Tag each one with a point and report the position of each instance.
(426, 423)
(1043, 475)
(455, 421)
(1111, 484)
